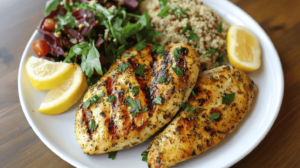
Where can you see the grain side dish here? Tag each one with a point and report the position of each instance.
(201, 19)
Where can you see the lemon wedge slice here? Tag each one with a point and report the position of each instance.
(44, 74)
(62, 97)
(243, 48)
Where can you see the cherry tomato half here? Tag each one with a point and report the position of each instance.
(50, 23)
(41, 48)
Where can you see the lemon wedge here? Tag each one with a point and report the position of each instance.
(243, 48)
(62, 97)
(44, 74)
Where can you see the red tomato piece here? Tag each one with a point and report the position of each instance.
(41, 48)
(49, 24)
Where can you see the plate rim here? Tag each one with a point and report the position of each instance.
(263, 134)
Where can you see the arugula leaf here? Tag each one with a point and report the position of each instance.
(67, 6)
(157, 34)
(127, 90)
(220, 28)
(176, 52)
(122, 67)
(144, 20)
(186, 28)
(110, 99)
(193, 93)
(164, 12)
(91, 62)
(162, 79)
(135, 90)
(130, 30)
(67, 20)
(228, 98)
(140, 70)
(85, 7)
(78, 49)
(139, 46)
(212, 51)
(51, 5)
(112, 155)
(178, 71)
(158, 100)
(214, 116)
(192, 36)
(160, 50)
(92, 125)
(128, 55)
(220, 59)
(145, 156)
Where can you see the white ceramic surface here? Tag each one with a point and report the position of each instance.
(57, 132)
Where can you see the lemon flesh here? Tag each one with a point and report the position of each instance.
(45, 75)
(243, 47)
(62, 97)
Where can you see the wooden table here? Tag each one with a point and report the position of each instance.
(20, 147)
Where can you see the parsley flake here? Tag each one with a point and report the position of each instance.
(127, 90)
(164, 12)
(220, 59)
(122, 67)
(94, 99)
(112, 155)
(92, 125)
(158, 100)
(214, 116)
(160, 50)
(176, 52)
(161, 79)
(178, 71)
(145, 156)
(134, 114)
(135, 90)
(220, 28)
(139, 46)
(228, 98)
(186, 28)
(212, 51)
(110, 99)
(140, 70)
(193, 93)
(186, 106)
(128, 55)
(192, 36)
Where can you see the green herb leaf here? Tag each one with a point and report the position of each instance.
(158, 100)
(164, 12)
(228, 98)
(178, 71)
(145, 156)
(192, 36)
(67, 20)
(157, 34)
(67, 6)
(191, 109)
(187, 9)
(212, 51)
(186, 106)
(112, 155)
(110, 99)
(160, 50)
(134, 114)
(135, 90)
(186, 28)
(176, 52)
(162, 79)
(220, 28)
(92, 125)
(92, 80)
(179, 11)
(127, 90)
(91, 62)
(51, 5)
(134, 103)
(140, 70)
(86, 104)
(214, 116)
(139, 46)
(220, 59)
(193, 93)
(156, 133)
(94, 99)
(144, 20)
(128, 55)
(122, 67)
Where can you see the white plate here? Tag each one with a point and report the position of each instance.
(57, 132)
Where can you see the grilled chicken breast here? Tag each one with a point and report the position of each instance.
(190, 135)
(142, 104)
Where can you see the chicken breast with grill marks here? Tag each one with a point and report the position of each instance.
(142, 93)
(214, 117)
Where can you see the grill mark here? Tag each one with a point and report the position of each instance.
(86, 118)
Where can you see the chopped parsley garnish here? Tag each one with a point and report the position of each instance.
(145, 156)
(128, 55)
(214, 116)
(160, 50)
(140, 70)
(192, 36)
(220, 28)
(158, 100)
(92, 125)
(112, 155)
(193, 93)
(122, 67)
(127, 90)
(187, 9)
(164, 12)
(220, 59)
(186, 106)
(212, 51)
(162, 79)
(94, 99)
(178, 11)
(157, 34)
(135, 90)
(228, 98)
(134, 114)
(110, 99)
(178, 71)
(176, 52)
(186, 28)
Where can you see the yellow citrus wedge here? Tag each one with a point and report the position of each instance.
(44, 74)
(62, 97)
(243, 48)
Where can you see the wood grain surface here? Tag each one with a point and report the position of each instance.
(20, 146)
